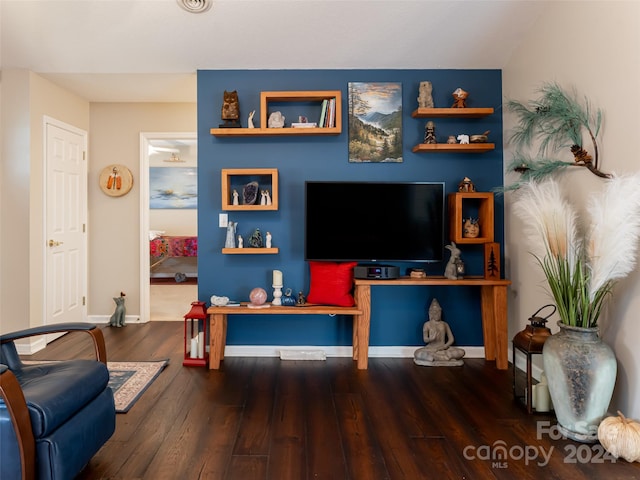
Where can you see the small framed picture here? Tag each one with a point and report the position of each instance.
(492, 261)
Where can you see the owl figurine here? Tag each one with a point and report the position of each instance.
(230, 109)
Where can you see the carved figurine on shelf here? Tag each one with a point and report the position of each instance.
(240, 241)
(425, 99)
(466, 186)
(230, 109)
(470, 228)
(236, 197)
(464, 139)
(430, 133)
(118, 317)
(459, 97)
(451, 270)
(276, 120)
(437, 335)
(267, 196)
(230, 241)
(263, 197)
(255, 240)
(250, 119)
(301, 299)
(452, 139)
(268, 240)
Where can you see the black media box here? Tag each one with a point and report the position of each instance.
(386, 272)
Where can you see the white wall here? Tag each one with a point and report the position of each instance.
(27, 99)
(594, 46)
(114, 223)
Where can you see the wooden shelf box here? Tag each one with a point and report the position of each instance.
(236, 178)
(478, 205)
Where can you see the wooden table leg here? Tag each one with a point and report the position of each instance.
(488, 322)
(494, 324)
(501, 325)
(217, 339)
(361, 326)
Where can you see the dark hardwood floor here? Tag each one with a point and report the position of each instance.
(263, 418)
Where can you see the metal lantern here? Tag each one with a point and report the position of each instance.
(530, 342)
(195, 336)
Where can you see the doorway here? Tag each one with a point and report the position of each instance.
(168, 225)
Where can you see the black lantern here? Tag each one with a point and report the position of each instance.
(530, 342)
(195, 336)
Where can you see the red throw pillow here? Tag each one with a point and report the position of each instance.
(331, 283)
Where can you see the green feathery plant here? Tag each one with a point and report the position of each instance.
(582, 262)
(557, 120)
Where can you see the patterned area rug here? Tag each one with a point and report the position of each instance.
(129, 380)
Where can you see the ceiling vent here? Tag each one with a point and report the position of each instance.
(195, 6)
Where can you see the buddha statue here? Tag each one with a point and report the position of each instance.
(438, 338)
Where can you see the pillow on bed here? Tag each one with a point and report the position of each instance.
(153, 234)
(331, 283)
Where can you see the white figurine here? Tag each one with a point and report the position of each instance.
(464, 139)
(268, 197)
(263, 197)
(236, 197)
(240, 241)
(230, 241)
(268, 244)
(250, 120)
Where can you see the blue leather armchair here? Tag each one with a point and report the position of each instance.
(55, 416)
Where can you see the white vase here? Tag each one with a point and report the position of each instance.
(581, 370)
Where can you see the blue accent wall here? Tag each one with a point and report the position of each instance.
(397, 312)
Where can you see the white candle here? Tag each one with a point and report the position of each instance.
(194, 348)
(543, 399)
(201, 345)
(277, 278)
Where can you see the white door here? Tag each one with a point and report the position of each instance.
(65, 223)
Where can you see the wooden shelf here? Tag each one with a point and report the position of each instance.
(453, 147)
(458, 211)
(451, 112)
(288, 97)
(249, 251)
(229, 179)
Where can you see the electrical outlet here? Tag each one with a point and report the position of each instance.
(223, 220)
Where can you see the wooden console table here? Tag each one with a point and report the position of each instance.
(218, 326)
(493, 305)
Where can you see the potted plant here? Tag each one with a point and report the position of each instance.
(582, 258)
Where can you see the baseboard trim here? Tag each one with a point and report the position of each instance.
(335, 351)
(104, 319)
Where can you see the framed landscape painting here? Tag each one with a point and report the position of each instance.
(375, 122)
(173, 187)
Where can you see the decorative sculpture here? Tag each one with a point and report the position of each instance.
(250, 119)
(268, 241)
(459, 97)
(118, 317)
(230, 109)
(464, 139)
(470, 228)
(250, 193)
(276, 120)
(230, 241)
(430, 133)
(255, 240)
(425, 100)
(451, 270)
(236, 197)
(438, 338)
(466, 185)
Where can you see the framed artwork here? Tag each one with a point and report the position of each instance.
(173, 187)
(375, 122)
(492, 261)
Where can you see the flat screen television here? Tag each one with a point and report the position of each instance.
(374, 221)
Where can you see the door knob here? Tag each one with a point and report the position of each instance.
(53, 243)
